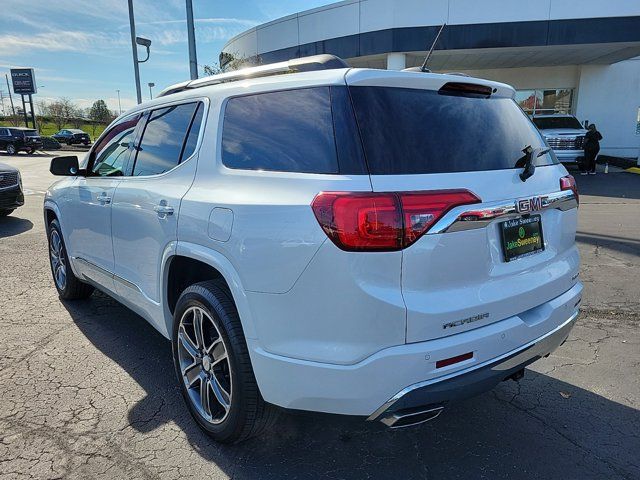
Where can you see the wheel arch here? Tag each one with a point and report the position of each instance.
(51, 212)
(196, 263)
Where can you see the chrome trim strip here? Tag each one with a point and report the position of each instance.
(468, 217)
(394, 418)
(567, 324)
(93, 266)
(107, 273)
(126, 283)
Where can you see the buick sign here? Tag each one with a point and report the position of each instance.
(24, 81)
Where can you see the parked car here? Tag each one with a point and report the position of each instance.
(71, 136)
(19, 139)
(286, 270)
(564, 134)
(11, 195)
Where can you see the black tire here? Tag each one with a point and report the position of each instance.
(4, 213)
(11, 149)
(249, 414)
(73, 288)
(69, 142)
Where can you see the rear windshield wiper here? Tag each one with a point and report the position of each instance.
(527, 161)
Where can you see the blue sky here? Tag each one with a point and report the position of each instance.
(81, 49)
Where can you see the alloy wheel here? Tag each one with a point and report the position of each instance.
(11, 150)
(205, 365)
(58, 260)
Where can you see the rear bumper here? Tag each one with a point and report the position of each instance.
(11, 198)
(476, 379)
(394, 377)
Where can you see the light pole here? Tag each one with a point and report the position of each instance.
(191, 36)
(119, 105)
(134, 49)
(151, 84)
(135, 41)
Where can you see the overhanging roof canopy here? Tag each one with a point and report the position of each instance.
(508, 57)
(547, 42)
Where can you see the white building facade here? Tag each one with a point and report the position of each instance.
(561, 56)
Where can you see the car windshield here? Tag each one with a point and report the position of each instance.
(30, 133)
(547, 123)
(413, 131)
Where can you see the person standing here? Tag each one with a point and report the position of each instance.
(591, 149)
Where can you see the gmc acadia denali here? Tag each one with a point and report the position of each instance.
(317, 237)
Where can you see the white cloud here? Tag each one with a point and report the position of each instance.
(171, 32)
(62, 41)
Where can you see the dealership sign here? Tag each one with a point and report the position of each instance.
(24, 81)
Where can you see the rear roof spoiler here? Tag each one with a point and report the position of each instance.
(304, 64)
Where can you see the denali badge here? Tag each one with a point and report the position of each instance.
(459, 323)
(532, 204)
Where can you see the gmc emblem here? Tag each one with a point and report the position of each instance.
(531, 204)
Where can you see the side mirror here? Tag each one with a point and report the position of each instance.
(65, 166)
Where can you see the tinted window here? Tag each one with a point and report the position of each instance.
(30, 133)
(289, 131)
(194, 131)
(112, 152)
(163, 138)
(411, 131)
(349, 147)
(544, 123)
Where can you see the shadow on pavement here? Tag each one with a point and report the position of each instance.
(525, 430)
(621, 244)
(11, 225)
(615, 184)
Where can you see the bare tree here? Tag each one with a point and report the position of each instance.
(61, 111)
(229, 62)
(77, 117)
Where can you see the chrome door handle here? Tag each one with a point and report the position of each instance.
(104, 199)
(163, 209)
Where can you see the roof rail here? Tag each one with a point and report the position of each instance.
(304, 64)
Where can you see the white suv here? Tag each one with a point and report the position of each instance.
(315, 237)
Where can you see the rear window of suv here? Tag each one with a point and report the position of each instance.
(414, 131)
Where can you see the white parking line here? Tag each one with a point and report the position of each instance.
(27, 191)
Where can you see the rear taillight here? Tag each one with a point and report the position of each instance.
(359, 221)
(569, 183)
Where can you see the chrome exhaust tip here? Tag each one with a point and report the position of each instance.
(412, 416)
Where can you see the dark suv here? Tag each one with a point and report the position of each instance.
(16, 139)
(71, 136)
(11, 195)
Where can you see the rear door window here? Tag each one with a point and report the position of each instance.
(162, 145)
(414, 131)
(286, 131)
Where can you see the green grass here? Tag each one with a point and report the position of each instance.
(48, 129)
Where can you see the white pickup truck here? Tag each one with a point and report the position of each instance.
(564, 134)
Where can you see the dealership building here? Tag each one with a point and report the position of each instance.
(561, 56)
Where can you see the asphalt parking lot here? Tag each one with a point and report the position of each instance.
(88, 390)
